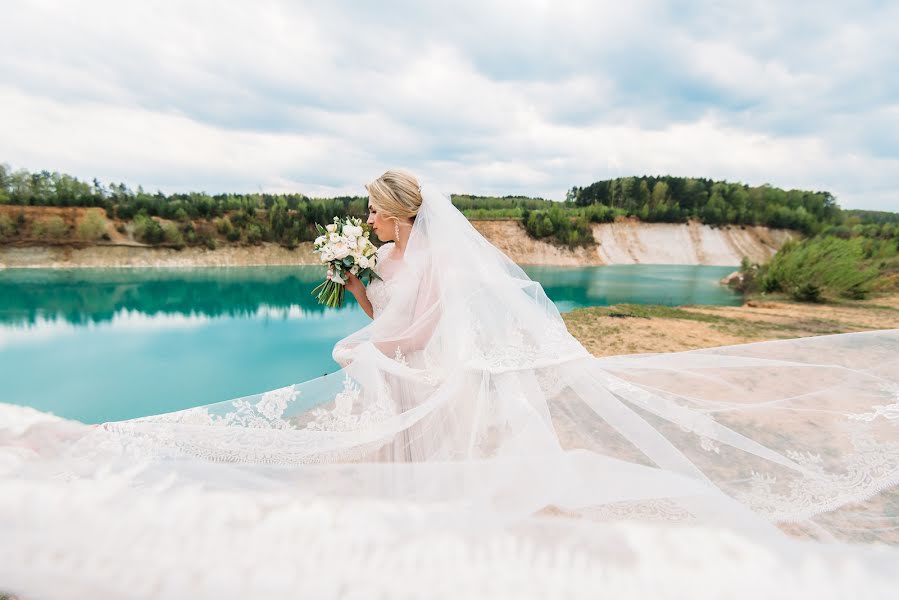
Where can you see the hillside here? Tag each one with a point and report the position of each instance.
(626, 241)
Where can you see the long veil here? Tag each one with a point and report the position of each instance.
(466, 406)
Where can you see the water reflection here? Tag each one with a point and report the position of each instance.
(671, 285)
(83, 296)
(33, 297)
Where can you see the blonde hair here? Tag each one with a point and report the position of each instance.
(396, 193)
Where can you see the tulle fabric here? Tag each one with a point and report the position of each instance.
(465, 408)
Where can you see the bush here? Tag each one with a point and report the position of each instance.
(181, 215)
(224, 226)
(92, 226)
(747, 282)
(254, 234)
(172, 235)
(51, 228)
(807, 292)
(147, 230)
(8, 228)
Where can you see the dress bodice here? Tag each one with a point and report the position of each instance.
(379, 289)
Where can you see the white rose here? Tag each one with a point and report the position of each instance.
(319, 240)
(341, 250)
(362, 262)
(332, 228)
(334, 238)
(354, 269)
(327, 255)
(353, 231)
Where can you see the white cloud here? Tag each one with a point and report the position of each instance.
(500, 97)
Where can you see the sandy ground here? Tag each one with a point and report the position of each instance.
(629, 329)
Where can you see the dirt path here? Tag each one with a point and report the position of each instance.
(632, 329)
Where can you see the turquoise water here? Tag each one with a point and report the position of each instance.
(107, 344)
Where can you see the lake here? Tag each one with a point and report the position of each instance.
(108, 344)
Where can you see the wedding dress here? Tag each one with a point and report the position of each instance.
(469, 443)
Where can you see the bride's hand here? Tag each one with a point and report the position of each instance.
(354, 285)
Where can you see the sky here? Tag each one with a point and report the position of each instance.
(484, 97)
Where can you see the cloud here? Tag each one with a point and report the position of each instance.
(502, 97)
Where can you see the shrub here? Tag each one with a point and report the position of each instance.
(807, 292)
(172, 235)
(224, 226)
(181, 215)
(7, 228)
(51, 228)
(747, 282)
(147, 230)
(254, 234)
(92, 226)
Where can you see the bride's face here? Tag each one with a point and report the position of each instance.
(381, 225)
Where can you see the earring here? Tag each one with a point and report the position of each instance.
(396, 230)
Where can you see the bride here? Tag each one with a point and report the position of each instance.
(465, 411)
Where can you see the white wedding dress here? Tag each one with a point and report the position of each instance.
(469, 445)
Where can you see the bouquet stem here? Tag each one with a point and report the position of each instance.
(330, 293)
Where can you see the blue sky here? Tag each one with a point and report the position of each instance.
(480, 97)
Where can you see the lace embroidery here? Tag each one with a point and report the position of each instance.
(709, 445)
(267, 413)
(872, 467)
(342, 417)
(400, 357)
(890, 412)
(520, 347)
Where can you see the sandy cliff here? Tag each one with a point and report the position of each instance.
(632, 242)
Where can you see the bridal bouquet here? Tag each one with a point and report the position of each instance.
(345, 247)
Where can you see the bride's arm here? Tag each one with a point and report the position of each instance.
(357, 289)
